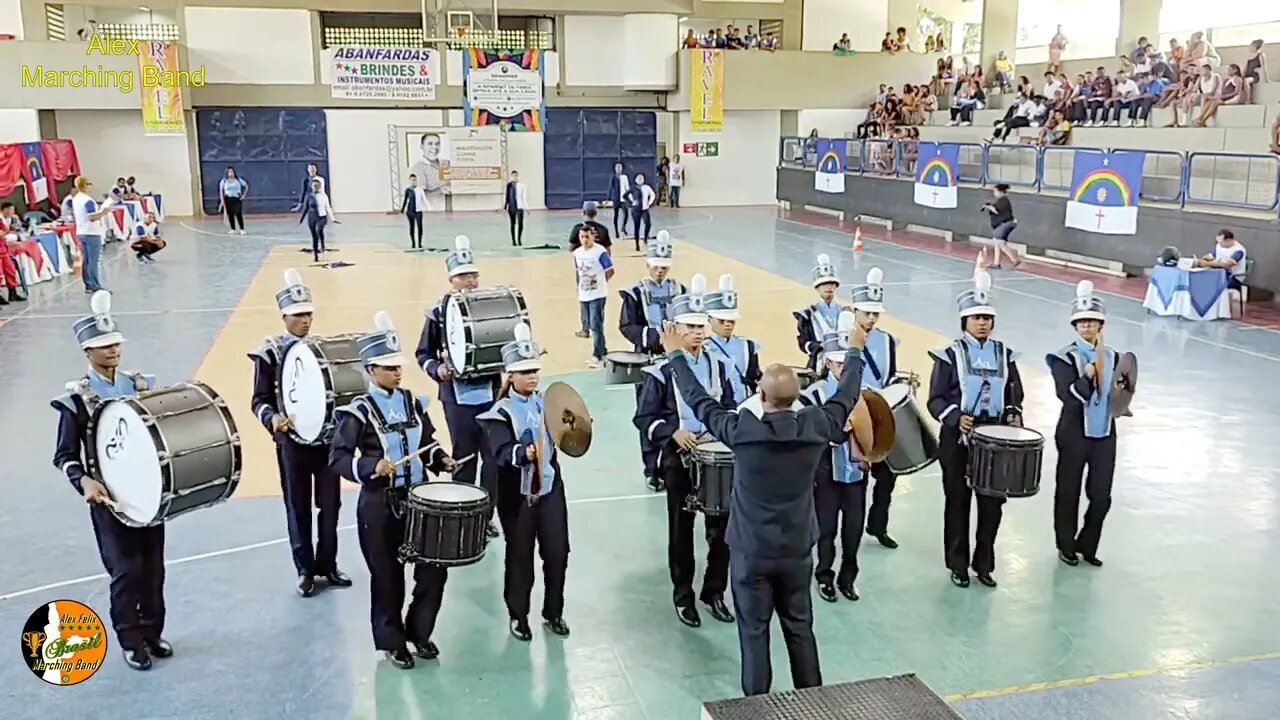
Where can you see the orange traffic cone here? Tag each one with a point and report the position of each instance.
(857, 239)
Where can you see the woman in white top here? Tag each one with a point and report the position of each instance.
(317, 211)
(1205, 88)
(89, 230)
(675, 181)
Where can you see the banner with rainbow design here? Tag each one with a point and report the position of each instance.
(937, 173)
(828, 174)
(504, 88)
(1104, 192)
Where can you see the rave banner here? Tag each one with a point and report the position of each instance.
(706, 101)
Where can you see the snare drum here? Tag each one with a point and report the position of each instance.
(165, 452)
(445, 524)
(1004, 461)
(712, 470)
(915, 443)
(625, 368)
(477, 323)
(318, 375)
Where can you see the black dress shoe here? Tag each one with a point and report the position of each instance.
(887, 541)
(557, 626)
(655, 484)
(849, 591)
(16, 295)
(337, 578)
(959, 578)
(689, 616)
(827, 591)
(491, 531)
(1092, 560)
(401, 658)
(986, 579)
(1069, 558)
(160, 648)
(306, 585)
(520, 629)
(426, 650)
(720, 611)
(138, 659)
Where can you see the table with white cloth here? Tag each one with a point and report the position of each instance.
(1198, 294)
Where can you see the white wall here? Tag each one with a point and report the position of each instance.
(251, 46)
(360, 164)
(19, 126)
(11, 18)
(453, 68)
(593, 51)
(830, 123)
(745, 173)
(111, 144)
(865, 20)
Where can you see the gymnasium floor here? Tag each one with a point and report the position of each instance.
(1179, 624)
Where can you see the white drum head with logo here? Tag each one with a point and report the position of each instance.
(129, 462)
(448, 492)
(755, 405)
(303, 391)
(455, 334)
(1007, 432)
(895, 395)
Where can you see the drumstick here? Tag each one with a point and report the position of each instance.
(408, 458)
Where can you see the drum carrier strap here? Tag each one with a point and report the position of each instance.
(395, 497)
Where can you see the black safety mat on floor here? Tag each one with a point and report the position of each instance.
(333, 265)
(538, 247)
(327, 249)
(904, 697)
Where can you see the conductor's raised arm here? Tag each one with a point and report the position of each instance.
(840, 406)
(711, 412)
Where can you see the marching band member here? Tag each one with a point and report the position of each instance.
(304, 469)
(878, 372)
(464, 399)
(974, 382)
(817, 320)
(385, 441)
(739, 353)
(132, 556)
(645, 306)
(840, 485)
(531, 504)
(665, 417)
(1086, 433)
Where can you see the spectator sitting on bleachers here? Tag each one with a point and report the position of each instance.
(844, 44)
(968, 98)
(940, 42)
(1205, 87)
(1229, 255)
(1153, 88)
(149, 241)
(930, 46)
(1004, 71)
(1052, 87)
(1275, 135)
(1099, 94)
(1200, 53)
(1022, 114)
(1124, 96)
(751, 40)
(1255, 69)
(908, 111)
(718, 40)
(887, 44)
(926, 103)
(1174, 93)
(1074, 108)
(901, 42)
(909, 139)
(691, 41)
(769, 42)
(1055, 130)
(1230, 92)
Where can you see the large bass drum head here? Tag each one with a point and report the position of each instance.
(455, 340)
(895, 394)
(303, 390)
(128, 462)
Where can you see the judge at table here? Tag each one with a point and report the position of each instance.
(1229, 255)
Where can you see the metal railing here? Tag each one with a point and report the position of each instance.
(1236, 180)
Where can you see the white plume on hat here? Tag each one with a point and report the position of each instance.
(982, 281)
(100, 303)
(462, 242)
(875, 276)
(726, 283)
(523, 333)
(1084, 290)
(698, 284)
(292, 278)
(824, 259)
(664, 237)
(382, 321)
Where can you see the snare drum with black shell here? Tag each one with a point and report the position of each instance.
(712, 470)
(445, 524)
(1004, 461)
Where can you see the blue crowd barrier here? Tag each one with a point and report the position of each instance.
(1234, 180)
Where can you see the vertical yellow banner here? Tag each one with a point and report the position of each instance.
(706, 100)
(161, 89)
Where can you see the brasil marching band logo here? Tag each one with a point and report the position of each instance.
(64, 642)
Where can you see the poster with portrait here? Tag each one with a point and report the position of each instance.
(446, 162)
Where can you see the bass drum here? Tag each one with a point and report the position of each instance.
(915, 442)
(318, 375)
(165, 452)
(477, 323)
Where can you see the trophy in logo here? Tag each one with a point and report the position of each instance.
(33, 640)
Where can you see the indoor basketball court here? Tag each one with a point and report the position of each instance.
(1180, 549)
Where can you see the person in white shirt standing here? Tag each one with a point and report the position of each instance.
(675, 181)
(317, 212)
(90, 231)
(642, 198)
(594, 268)
(515, 202)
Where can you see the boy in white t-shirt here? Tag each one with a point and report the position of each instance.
(594, 268)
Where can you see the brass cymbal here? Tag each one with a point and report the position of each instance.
(1124, 384)
(567, 418)
(872, 427)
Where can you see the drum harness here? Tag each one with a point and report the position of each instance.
(395, 497)
(984, 393)
(92, 401)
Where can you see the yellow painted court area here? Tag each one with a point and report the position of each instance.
(383, 277)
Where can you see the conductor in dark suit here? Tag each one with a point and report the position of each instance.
(772, 527)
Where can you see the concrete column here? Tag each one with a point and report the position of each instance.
(999, 31)
(1138, 18)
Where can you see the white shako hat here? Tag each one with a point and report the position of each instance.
(295, 298)
(690, 308)
(97, 330)
(461, 260)
(521, 354)
(824, 272)
(978, 300)
(657, 252)
(1086, 305)
(869, 297)
(722, 304)
(381, 347)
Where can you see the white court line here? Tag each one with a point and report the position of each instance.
(1055, 301)
(268, 543)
